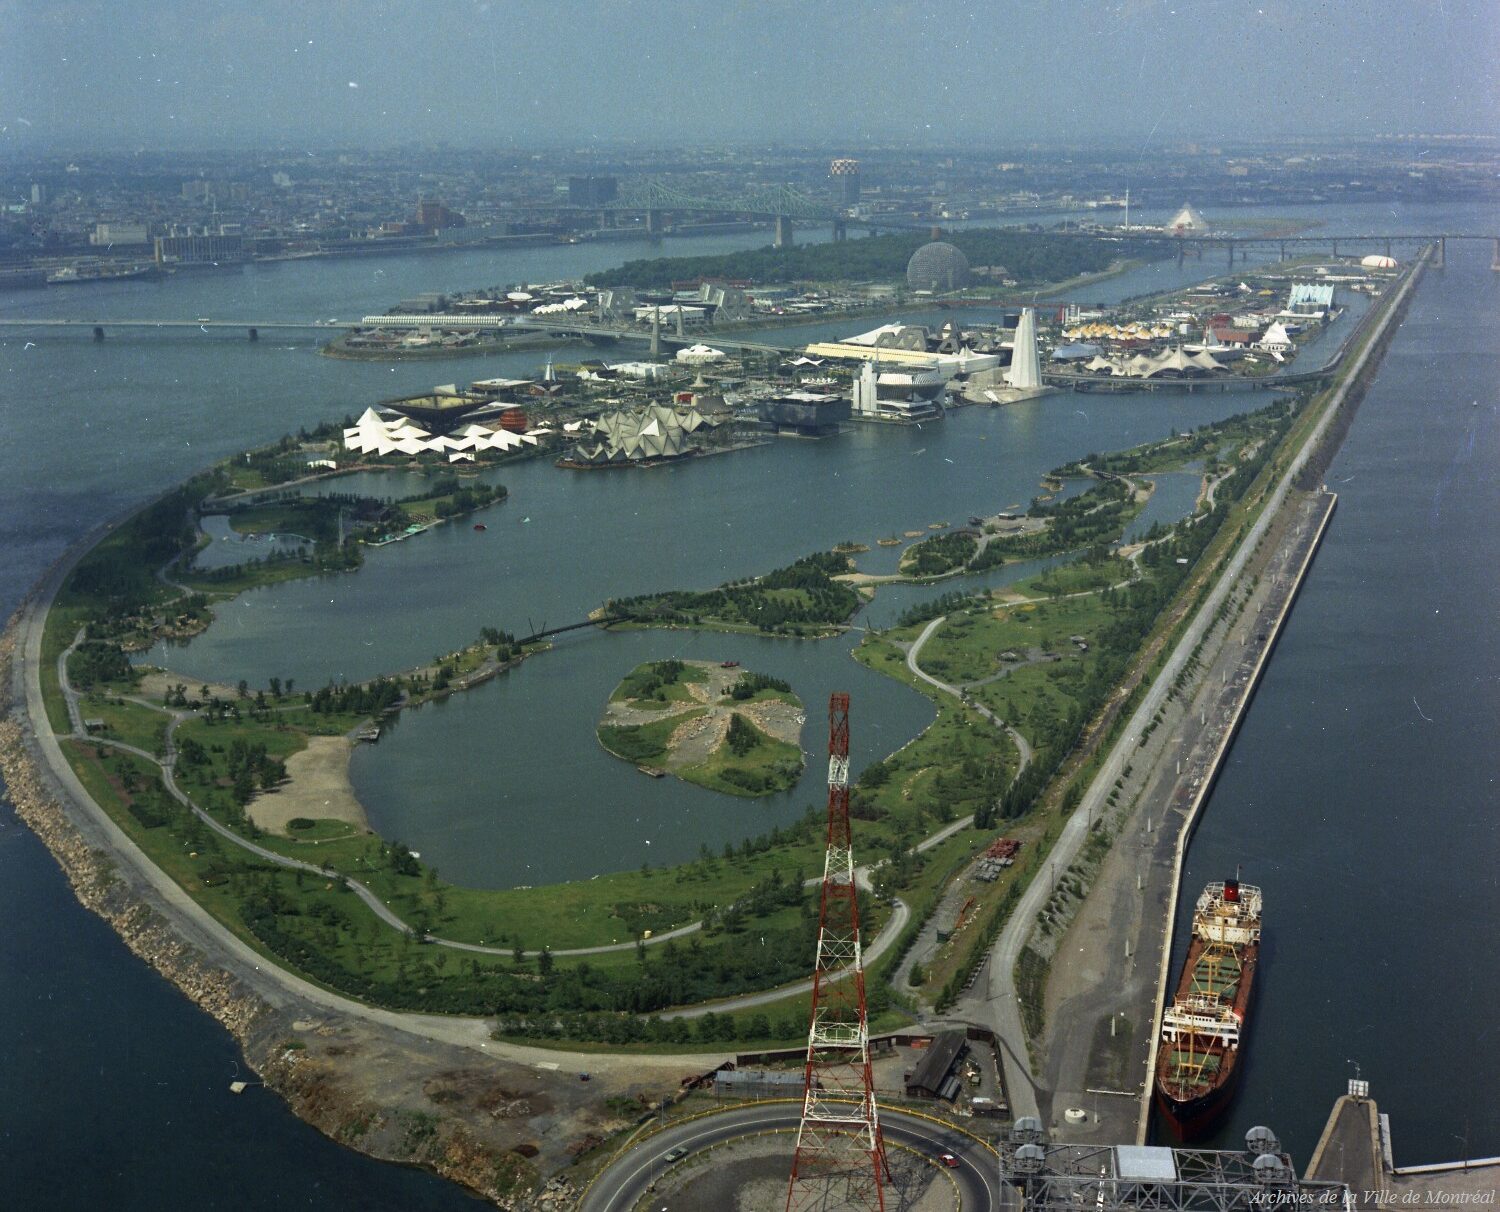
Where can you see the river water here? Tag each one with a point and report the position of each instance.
(1374, 820)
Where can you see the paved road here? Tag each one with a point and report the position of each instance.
(1002, 994)
(623, 1183)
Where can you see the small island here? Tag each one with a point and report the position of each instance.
(718, 726)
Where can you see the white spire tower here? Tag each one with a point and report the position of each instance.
(1025, 369)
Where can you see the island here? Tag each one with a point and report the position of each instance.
(718, 726)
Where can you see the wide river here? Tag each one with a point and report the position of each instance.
(1361, 821)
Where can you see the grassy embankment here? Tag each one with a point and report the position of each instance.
(800, 600)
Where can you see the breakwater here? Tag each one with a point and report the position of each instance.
(1312, 459)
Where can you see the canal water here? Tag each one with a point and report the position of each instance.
(1361, 793)
(1393, 849)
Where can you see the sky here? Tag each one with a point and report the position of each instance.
(122, 74)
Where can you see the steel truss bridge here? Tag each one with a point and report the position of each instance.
(1377, 242)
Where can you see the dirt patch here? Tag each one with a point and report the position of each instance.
(317, 788)
(155, 684)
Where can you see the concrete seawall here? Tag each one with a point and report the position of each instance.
(1384, 319)
(1205, 788)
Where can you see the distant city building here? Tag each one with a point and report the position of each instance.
(937, 266)
(592, 191)
(843, 179)
(199, 190)
(199, 250)
(107, 234)
(39, 195)
(434, 216)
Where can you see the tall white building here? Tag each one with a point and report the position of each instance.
(1025, 367)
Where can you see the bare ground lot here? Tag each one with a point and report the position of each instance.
(317, 788)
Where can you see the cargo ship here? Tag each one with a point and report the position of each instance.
(1203, 1030)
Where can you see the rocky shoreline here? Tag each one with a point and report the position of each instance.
(296, 1058)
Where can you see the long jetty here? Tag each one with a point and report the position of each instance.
(1387, 316)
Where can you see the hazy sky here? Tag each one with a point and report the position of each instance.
(160, 73)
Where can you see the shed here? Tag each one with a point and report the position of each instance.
(928, 1078)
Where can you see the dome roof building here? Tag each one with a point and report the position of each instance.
(937, 266)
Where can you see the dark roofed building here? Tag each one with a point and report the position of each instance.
(930, 1076)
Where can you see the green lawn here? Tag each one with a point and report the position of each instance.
(645, 742)
(143, 727)
(768, 767)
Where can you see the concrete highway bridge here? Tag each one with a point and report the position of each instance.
(253, 327)
(562, 327)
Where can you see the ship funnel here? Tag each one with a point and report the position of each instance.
(1260, 1141)
(1232, 890)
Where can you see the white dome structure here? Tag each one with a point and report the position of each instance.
(937, 266)
(1376, 261)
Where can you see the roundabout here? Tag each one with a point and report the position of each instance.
(917, 1146)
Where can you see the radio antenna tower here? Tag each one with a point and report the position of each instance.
(840, 1160)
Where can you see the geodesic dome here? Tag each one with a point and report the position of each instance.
(937, 266)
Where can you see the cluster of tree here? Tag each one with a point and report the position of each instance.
(118, 577)
(279, 463)
(95, 662)
(777, 777)
(742, 736)
(631, 1029)
(502, 642)
(370, 698)
(1204, 441)
(1028, 257)
(650, 681)
(324, 557)
(748, 685)
(764, 898)
(245, 763)
(1091, 517)
(428, 981)
(145, 798)
(315, 518)
(786, 601)
(939, 554)
(467, 499)
(1169, 556)
(945, 603)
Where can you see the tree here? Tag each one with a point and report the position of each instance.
(544, 962)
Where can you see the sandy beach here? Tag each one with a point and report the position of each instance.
(317, 788)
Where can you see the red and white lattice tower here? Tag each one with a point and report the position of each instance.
(840, 1160)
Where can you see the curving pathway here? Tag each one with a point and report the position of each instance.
(882, 943)
(1023, 746)
(625, 1181)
